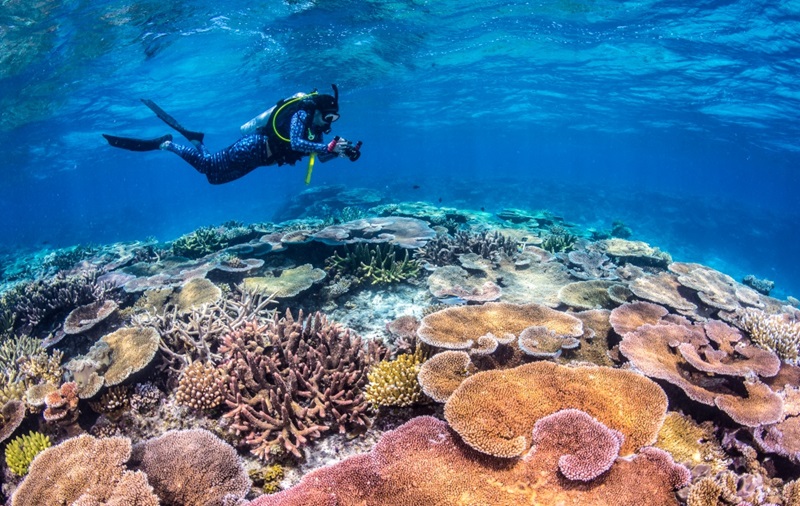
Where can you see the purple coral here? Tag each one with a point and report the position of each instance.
(588, 447)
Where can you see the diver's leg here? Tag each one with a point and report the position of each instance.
(227, 165)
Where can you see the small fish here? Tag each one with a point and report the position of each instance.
(416, 187)
(482, 209)
(440, 200)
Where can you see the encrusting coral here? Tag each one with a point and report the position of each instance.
(394, 383)
(21, 451)
(295, 381)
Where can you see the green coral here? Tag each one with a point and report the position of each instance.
(201, 242)
(394, 383)
(21, 451)
(373, 265)
(559, 240)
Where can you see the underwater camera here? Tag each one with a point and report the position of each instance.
(352, 151)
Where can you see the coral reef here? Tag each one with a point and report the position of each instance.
(441, 374)
(21, 451)
(559, 240)
(11, 416)
(444, 249)
(297, 380)
(763, 286)
(199, 243)
(290, 283)
(690, 443)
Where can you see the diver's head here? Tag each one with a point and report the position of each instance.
(328, 105)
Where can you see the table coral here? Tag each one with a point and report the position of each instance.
(132, 349)
(460, 327)
(587, 447)
(494, 411)
(194, 293)
(587, 294)
(290, 283)
(85, 317)
(440, 375)
(404, 232)
(96, 471)
(191, 467)
(423, 462)
(540, 342)
(296, 381)
(11, 416)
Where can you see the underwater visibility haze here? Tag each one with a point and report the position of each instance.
(647, 149)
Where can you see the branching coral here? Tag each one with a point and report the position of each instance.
(559, 240)
(779, 333)
(201, 242)
(294, 382)
(373, 265)
(445, 249)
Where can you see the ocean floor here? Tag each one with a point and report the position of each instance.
(405, 353)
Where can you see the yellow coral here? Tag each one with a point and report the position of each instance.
(22, 449)
(394, 383)
(691, 443)
(778, 333)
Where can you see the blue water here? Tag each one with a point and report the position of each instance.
(677, 117)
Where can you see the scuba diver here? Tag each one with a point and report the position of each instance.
(284, 134)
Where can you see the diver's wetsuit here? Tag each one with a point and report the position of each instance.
(249, 152)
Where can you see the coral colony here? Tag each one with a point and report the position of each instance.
(400, 354)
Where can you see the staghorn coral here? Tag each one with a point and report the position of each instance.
(201, 386)
(394, 383)
(423, 462)
(559, 240)
(191, 467)
(296, 381)
(372, 265)
(195, 336)
(690, 443)
(779, 333)
(199, 243)
(96, 473)
(445, 249)
(493, 411)
(21, 451)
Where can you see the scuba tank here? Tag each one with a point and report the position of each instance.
(262, 120)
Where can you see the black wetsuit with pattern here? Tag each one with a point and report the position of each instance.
(253, 151)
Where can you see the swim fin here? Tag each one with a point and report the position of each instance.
(132, 144)
(169, 120)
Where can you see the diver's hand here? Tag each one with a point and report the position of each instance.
(338, 145)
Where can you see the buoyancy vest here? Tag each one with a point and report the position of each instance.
(275, 123)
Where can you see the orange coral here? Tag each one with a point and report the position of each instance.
(440, 375)
(460, 327)
(494, 411)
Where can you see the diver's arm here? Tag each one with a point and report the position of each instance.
(297, 139)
